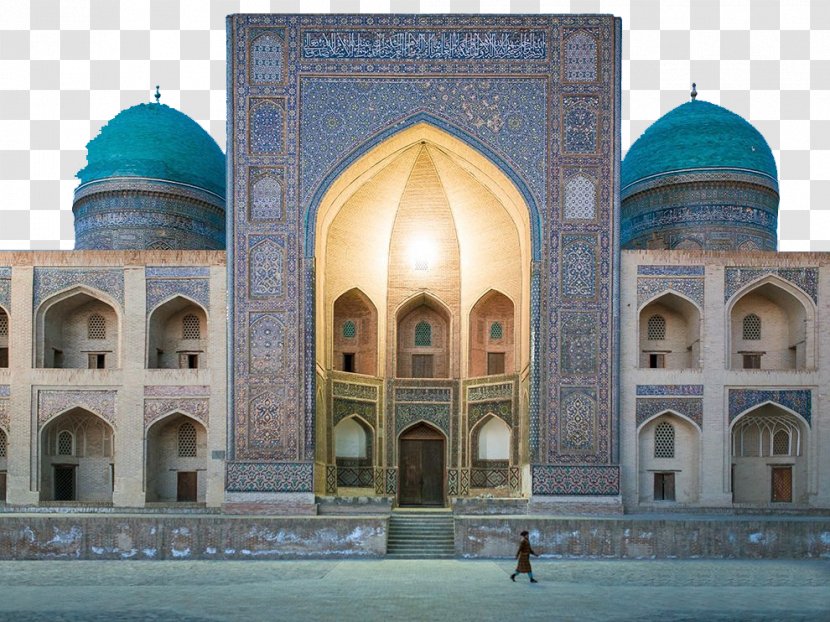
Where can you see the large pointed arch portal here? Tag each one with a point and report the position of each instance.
(505, 108)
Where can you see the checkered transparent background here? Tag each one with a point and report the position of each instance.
(68, 66)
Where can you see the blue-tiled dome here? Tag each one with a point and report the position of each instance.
(154, 179)
(155, 141)
(697, 135)
(701, 177)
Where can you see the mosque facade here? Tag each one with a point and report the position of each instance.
(422, 276)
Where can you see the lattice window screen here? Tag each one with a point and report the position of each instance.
(4, 324)
(349, 329)
(752, 327)
(96, 327)
(187, 440)
(190, 327)
(664, 440)
(496, 331)
(3, 444)
(781, 443)
(65, 443)
(656, 328)
(423, 334)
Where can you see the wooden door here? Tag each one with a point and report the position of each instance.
(64, 482)
(421, 467)
(186, 486)
(782, 484)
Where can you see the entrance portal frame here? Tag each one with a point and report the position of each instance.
(539, 96)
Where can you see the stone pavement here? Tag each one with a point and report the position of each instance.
(365, 590)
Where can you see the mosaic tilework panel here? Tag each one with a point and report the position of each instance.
(484, 392)
(267, 257)
(649, 287)
(155, 409)
(805, 279)
(580, 196)
(197, 289)
(343, 408)
(379, 480)
(266, 194)
(391, 481)
(267, 56)
(436, 414)
(577, 420)
(48, 281)
(266, 345)
(501, 409)
(579, 343)
(5, 390)
(269, 477)
(453, 485)
(581, 62)
(511, 110)
(4, 415)
(579, 266)
(549, 479)
(51, 403)
(331, 479)
(176, 391)
(691, 407)
(355, 390)
(797, 400)
(464, 483)
(6, 288)
(177, 272)
(657, 390)
(423, 394)
(514, 479)
(268, 428)
(671, 270)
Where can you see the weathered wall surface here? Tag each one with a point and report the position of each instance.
(153, 537)
(729, 537)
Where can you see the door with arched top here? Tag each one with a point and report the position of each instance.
(421, 466)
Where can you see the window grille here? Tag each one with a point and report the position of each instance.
(3, 444)
(190, 327)
(752, 327)
(96, 327)
(664, 440)
(656, 328)
(4, 324)
(187, 440)
(496, 331)
(423, 334)
(781, 443)
(65, 443)
(349, 329)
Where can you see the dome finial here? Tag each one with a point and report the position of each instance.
(694, 91)
(158, 94)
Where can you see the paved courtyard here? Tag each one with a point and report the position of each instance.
(414, 590)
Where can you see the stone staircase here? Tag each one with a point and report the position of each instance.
(421, 535)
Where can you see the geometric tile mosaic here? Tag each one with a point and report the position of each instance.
(797, 400)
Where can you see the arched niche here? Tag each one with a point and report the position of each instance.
(669, 459)
(780, 336)
(491, 446)
(177, 335)
(768, 449)
(669, 333)
(4, 338)
(78, 329)
(355, 332)
(176, 460)
(77, 461)
(354, 452)
(491, 343)
(423, 339)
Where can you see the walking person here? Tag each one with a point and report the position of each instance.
(523, 555)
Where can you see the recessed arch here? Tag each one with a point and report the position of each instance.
(673, 413)
(169, 345)
(678, 345)
(673, 473)
(354, 333)
(416, 358)
(170, 474)
(491, 344)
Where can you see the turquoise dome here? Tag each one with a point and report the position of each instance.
(157, 142)
(698, 135)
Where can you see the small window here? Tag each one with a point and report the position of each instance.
(422, 366)
(495, 363)
(4, 357)
(752, 327)
(348, 362)
(65, 443)
(752, 361)
(187, 440)
(349, 330)
(96, 327)
(656, 328)
(781, 443)
(656, 361)
(4, 324)
(188, 360)
(3, 444)
(496, 331)
(57, 358)
(423, 334)
(96, 360)
(664, 440)
(190, 327)
(664, 486)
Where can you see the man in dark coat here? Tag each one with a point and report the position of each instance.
(523, 555)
